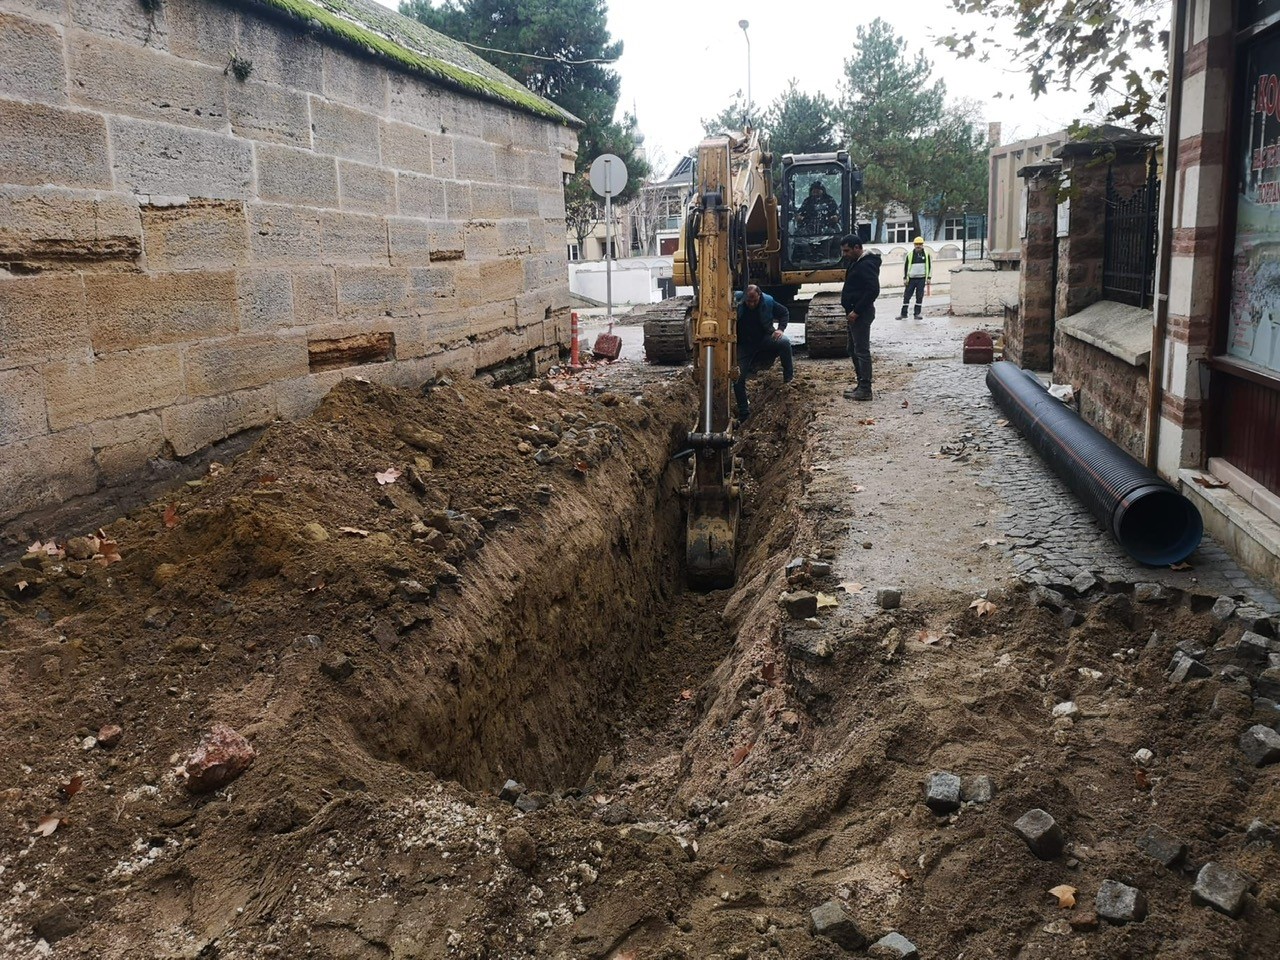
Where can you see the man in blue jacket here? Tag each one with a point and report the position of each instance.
(858, 298)
(759, 342)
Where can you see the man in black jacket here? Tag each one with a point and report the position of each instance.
(759, 343)
(861, 287)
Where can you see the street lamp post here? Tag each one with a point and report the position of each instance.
(744, 24)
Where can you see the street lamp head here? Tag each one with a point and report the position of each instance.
(743, 24)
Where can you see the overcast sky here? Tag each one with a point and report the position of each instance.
(685, 59)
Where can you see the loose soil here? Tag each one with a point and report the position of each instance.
(705, 771)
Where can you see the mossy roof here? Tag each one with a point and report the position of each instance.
(413, 47)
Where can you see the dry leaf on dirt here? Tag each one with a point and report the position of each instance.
(905, 404)
(686, 695)
(68, 790)
(826, 600)
(993, 542)
(984, 607)
(1141, 780)
(902, 875)
(171, 516)
(868, 421)
(928, 637)
(389, 475)
(850, 586)
(1181, 566)
(215, 468)
(21, 585)
(353, 531)
(739, 755)
(1066, 895)
(1212, 483)
(108, 551)
(47, 825)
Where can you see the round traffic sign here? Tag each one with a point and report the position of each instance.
(608, 175)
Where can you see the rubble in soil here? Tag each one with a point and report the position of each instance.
(486, 721)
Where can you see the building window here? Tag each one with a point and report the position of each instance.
(953, 228)
(897, 231)
(670, 212)
(575, 253)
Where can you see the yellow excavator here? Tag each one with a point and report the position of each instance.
(732, 237)
(787, 240)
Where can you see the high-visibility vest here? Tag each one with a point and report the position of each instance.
(911, 268)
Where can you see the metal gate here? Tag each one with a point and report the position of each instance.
(1129, 242)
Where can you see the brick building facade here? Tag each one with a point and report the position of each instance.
(1191, 384)
(212, 211)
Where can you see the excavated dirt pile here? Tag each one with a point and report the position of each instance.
(378, 617)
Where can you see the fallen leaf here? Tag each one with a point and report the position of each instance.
(389, 475)
(1212, 483)
(739, 755)
(905, 404)
(1181, 566)
(868, 421)
(984, 607)
(857, 488)
(47, 825)
(171, 516)
(902, 875)
(1141, 780)
(850, 586)
(353, 531)
(68, 790)
(215, 468)
(21, 585)
(993, 542)
(108, 552)
(928, 637)
(599, 798)
(826, 600)
(1066, 895)
(686, 694)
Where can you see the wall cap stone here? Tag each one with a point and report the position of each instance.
(404, 43)
(1115, 328)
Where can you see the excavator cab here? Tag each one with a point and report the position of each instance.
(818, 191)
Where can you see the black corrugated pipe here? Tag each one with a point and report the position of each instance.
(1154, 523)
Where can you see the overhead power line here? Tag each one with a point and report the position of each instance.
(533, 56)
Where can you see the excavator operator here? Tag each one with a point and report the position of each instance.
(819, 214)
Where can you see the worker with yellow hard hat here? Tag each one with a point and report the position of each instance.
(917, 270)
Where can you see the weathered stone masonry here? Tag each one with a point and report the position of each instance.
(185, 254)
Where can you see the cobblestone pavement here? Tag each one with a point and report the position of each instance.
(1050, 536)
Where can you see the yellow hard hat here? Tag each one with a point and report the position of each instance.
(918, 240)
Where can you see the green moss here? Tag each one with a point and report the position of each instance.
(413, 47)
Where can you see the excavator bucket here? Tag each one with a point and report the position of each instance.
(711, 542)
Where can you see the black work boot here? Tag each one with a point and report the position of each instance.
(903, 314)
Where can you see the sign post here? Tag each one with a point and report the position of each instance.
(608, 177)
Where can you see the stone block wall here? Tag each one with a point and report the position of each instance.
(185, 254)
(1111, 393)
(1028, 331)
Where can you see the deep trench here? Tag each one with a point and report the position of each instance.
(549, 657)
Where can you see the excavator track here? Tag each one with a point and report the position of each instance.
(825, 327)
(668, 335)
